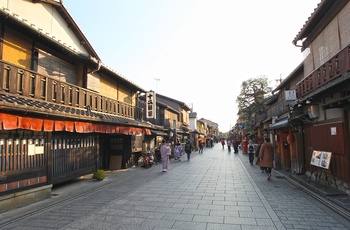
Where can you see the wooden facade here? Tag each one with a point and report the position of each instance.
(323, 93)
(319, 117)
(63, 114)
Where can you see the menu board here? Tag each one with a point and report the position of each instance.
(321, 159)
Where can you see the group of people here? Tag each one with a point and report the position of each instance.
(230, 142)
(265, 156)
(165, 151)
(264, 153)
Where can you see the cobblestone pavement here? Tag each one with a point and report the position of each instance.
(215, 190)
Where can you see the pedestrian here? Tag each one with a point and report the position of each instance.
(229, 142)
(223, 143)
(234, 145)
(178, 151)
(257, 154)
(188, 149)
(251, 151)
(165, 152)
(265, 157)
(200, 146)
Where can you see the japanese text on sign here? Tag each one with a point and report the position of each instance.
(151, 105)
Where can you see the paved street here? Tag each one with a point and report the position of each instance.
(215, 190)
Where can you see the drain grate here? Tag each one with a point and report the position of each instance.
(54, 194)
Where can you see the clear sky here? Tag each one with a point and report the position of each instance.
(195, 51)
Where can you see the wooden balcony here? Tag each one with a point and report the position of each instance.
(329, 71)
(260, 118)
(277, 109)
(23, 83)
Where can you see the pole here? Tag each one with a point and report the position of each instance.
(174, 125)
(157, 80)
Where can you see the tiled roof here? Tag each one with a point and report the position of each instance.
(13, 103)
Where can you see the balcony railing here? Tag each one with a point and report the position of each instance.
(260, 117)
(333, 68)
(278, 109)
(22, 82)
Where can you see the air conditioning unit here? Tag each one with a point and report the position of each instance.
(312, 111)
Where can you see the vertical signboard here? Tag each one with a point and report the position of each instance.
(151, 105)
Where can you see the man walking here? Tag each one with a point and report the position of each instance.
(251, 151)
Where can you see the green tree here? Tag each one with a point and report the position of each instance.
(251, 98)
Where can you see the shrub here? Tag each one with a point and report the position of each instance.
(99, 174)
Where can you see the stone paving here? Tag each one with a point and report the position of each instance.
(216, 190)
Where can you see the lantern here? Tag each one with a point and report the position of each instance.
(290, 138)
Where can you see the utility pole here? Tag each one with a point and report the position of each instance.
(157, 80)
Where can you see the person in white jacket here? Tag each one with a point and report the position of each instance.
(251, 151)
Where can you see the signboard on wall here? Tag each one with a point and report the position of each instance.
(151, 104)
(321, 159)
(290, 95)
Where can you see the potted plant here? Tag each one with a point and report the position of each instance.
(99, 175)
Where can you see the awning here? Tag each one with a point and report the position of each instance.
(159, 133)
(279, 124)
(340, 103)
(11, 122)
(297, 119)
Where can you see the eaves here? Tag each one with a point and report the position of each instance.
(28, 106)
(299, 69)
(325, 11)
(92, 58)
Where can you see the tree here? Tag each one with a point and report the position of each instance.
(251, 98)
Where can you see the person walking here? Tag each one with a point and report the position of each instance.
(265, 157)
(178, 151)
(165, 152)
(251, 151)
(223, 143)
(188, 149)
(229, 143)
(257, 154)
(235, 145)
(200, 146)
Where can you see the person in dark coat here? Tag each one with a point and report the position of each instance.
(266, 156)
(188, 149)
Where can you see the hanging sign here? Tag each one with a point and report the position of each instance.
(151, 104)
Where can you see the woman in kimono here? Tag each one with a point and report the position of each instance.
(178, 151)
(165, 152)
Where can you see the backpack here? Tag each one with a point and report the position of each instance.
(251, 148)
(188, 147)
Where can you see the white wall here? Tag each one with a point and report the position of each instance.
(45, 17)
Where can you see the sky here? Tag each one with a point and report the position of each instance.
(195, 51)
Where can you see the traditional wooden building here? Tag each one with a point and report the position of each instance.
(63, 113)
(324, 91)
(286, 132)
(171, 120)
